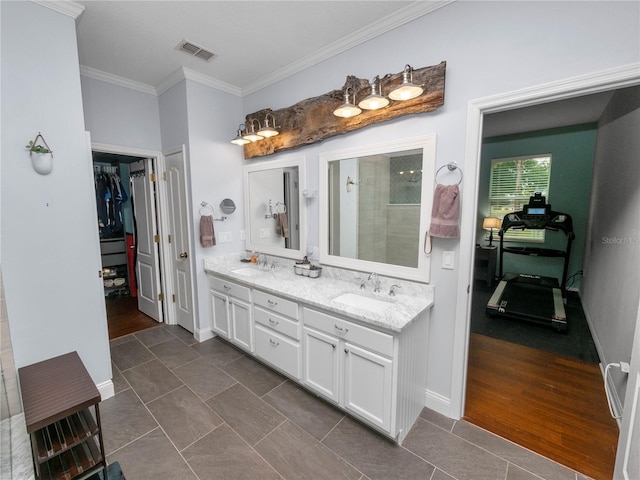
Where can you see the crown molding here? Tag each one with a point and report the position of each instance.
(184, 73)
(116, 80)
(69, 8)
(405, 15)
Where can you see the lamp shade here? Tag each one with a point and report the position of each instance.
(491, 223)
(347, 109)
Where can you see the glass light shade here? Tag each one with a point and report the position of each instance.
(374, 101)
(347, 109)
(252, 135)
(238, 140)
(407, 89)
(268, 131)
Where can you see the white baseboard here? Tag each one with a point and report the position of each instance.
(439, 403)
(202, 335)
(106, 390)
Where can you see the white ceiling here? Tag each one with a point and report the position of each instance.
(260, 42)
(256, 42)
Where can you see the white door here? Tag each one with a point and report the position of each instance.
(179, 246)
(219, 313)
(628, 453)
(146, 229)
(321, 363)
(241, 324)
(367, 385)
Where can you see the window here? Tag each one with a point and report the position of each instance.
(513, 181)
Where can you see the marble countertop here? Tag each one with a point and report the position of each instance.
(410, 300)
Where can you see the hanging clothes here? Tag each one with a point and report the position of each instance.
(110, 195)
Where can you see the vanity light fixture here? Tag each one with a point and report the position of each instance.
(252, 135)
(268, 131)
(347, 109)
(239, 140)
(407, 89)
(375, 100)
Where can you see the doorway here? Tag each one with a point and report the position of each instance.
(579, 86)
(127, 209)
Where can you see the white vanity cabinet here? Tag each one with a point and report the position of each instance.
(277, 329)
(231, 312)
(351, 365)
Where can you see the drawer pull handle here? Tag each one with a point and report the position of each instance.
(273, 342)
(271, 302)
(340, 329)
(273, 322)
(346, 350)
(333, 345)
(226, 287)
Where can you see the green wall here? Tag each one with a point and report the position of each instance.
(572, 150)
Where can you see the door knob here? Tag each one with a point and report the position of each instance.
(184, 255)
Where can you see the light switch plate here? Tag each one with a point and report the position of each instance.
(448, 259)
(243, 235)
(223, 237)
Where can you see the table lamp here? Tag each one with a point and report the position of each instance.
(491, 223)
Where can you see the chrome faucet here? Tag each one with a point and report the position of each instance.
(376, 280)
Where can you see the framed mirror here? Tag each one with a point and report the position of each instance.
(275, 213)
(375, 207)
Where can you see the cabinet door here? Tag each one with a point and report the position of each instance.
(368, 385)
(321, 363)
(219, 314)
(241, 324)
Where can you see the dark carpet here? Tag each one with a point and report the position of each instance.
(113, 473)
(576, 342)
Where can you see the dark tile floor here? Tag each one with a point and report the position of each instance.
(187, 410)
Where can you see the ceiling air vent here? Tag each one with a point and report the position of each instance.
(195, 50)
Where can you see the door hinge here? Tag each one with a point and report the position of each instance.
(173, 297)
(165, 176)
(156, 238)
(161, 297)
(99, 273)
(169, 238)
(152, 177)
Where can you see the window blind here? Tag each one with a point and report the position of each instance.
(513, 181)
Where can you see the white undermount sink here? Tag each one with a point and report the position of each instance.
(247, 271)
(363, 302)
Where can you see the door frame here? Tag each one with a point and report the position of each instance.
(606, 80)
(157, 159)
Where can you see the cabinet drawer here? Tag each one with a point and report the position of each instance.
(350, 332)
(111, 259)
(277, 322)
(230, 288)
(278, 350)
(112, 246)
(276, 304)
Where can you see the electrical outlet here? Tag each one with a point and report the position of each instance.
(243, 235)
(264, 233)
(223, 237)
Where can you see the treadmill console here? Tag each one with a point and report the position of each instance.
(537, 214)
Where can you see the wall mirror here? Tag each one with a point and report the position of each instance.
(275, 212)
(375, 207)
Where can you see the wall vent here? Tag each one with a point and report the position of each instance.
(195, 50)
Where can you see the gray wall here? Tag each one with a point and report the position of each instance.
(50, 248)
(609, 289)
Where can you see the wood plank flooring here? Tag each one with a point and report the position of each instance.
(123, 317)
(552, 405)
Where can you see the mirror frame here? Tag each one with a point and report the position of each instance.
(421, 273)
(299, 162)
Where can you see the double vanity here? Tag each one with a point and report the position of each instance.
(361, 350)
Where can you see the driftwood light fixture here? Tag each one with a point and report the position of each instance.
(313, 119)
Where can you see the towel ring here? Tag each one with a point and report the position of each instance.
(208, 209)
(451, 166)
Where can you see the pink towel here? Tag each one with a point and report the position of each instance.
(282, 225)
(207, 236)
(445, 212)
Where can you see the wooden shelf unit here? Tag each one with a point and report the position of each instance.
(58, 397)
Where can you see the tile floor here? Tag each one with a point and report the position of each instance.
(187, 410)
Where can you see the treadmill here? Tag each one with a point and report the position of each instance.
(528, 297)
